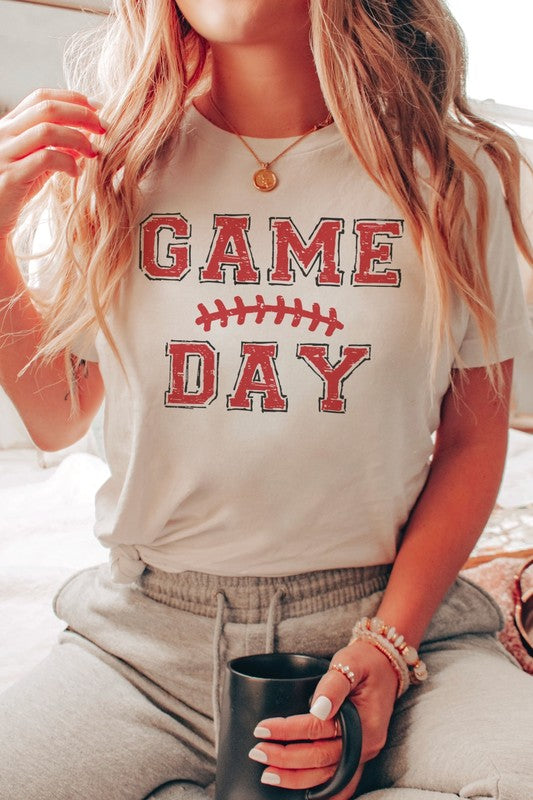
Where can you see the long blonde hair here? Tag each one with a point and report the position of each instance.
(392, 73)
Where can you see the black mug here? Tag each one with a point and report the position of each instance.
(268, 685)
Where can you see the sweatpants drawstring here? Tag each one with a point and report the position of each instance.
(271, 620)
(270, 638)
(215, 690)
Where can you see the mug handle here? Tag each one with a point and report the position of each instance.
(352, 737)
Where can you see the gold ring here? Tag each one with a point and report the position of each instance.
(344, 670)
(337, 727)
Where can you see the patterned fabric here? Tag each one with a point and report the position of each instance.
(497, 577)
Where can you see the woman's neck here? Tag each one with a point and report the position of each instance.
(264, 91)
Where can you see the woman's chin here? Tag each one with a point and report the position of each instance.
(244, 22)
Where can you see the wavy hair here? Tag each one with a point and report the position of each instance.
(392, 73)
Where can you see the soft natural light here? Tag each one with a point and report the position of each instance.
(499, 48)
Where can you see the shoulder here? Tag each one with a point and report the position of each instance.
(469, 156)
(477, 152)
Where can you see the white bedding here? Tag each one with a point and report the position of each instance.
(46, 523)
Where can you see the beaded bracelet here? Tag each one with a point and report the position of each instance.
(397, 663)
(375, 629)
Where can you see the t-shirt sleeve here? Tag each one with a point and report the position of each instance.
(514, 335)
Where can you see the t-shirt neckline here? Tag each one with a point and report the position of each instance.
(209, 132)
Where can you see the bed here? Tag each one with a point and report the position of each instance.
(47, 515)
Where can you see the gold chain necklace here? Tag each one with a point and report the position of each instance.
(264, 178)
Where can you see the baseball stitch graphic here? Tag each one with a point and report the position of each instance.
(260, 309)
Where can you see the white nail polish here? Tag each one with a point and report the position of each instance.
(321, 707)
(262, 733)
(94, 102)
(258, 755)
(270, 778)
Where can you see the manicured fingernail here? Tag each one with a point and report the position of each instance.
(270, 778)
(257, 755)
(94, 102)
(321, 707)
(262, 733)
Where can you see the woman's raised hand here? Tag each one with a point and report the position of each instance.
(38, 137)
(306, 749)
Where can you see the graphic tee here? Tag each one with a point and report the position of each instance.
(277, 416)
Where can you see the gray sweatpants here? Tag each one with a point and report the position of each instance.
(123, 707)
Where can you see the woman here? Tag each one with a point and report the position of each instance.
(316, 275)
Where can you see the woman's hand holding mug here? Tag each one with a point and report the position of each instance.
(306, 748)
(265, 686)
(38, 137)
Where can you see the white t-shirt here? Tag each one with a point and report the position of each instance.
(278, 417)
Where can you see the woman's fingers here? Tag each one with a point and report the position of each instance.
(300, 755)
(58, 112)
(296, 728)
(305, 779)
(330, 694)
(43, 94)
(48, 119)
(49, 123)
(300, 779)
(40, 164)
(319, 723)
(47, 134)
(300, 764)
(40, 136)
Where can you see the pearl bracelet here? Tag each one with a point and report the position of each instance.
(376, 629)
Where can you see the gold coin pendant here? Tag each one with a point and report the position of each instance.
(265, 180)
